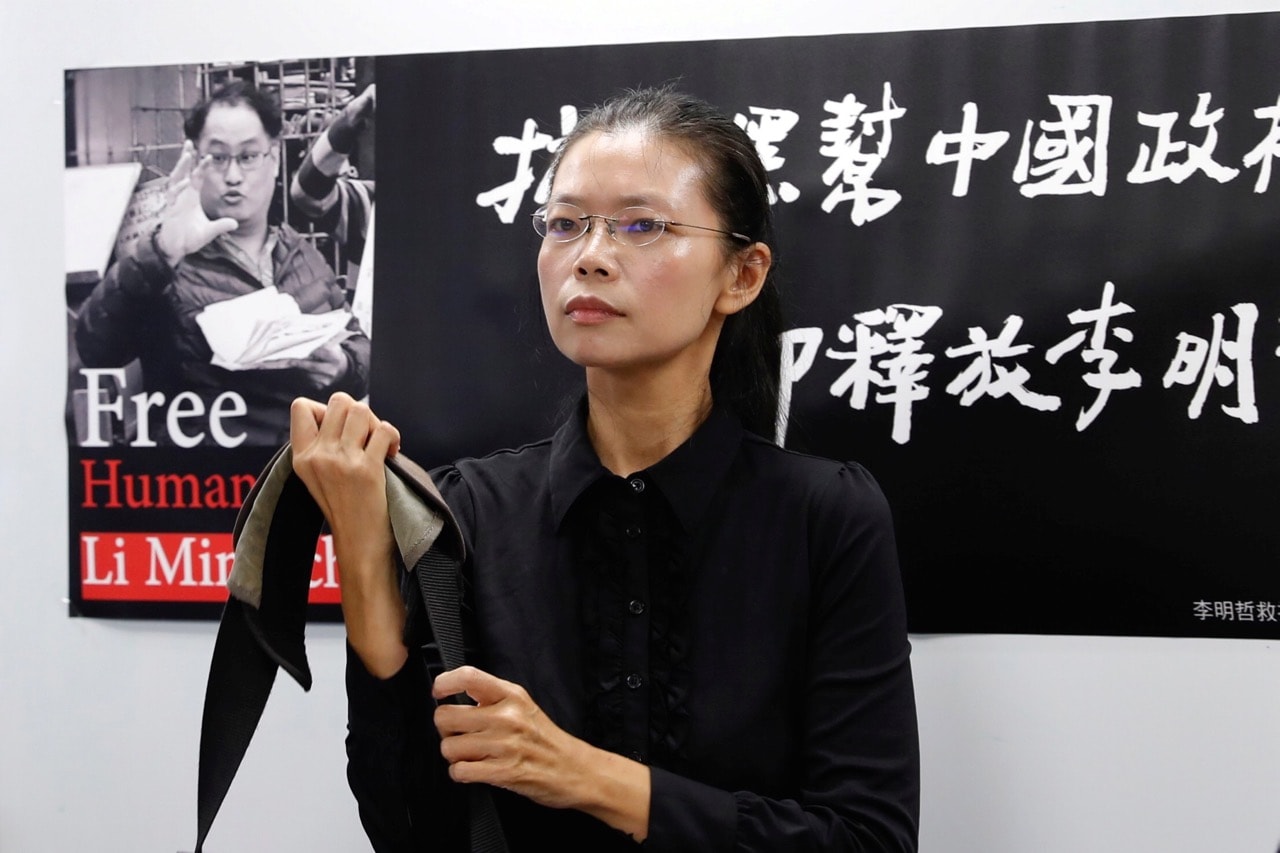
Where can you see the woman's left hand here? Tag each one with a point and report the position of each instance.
(506, 740)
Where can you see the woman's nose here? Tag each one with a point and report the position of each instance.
(596, 255)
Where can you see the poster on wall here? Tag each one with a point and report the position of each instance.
(1030, 276)
(219, 217)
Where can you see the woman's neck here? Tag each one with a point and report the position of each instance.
(633, 427)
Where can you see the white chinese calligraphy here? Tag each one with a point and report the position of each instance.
(506, 198)
(1199, 362)
(1065, 158)
(892, 359)
(1154, 165)
(1103, 380)
(852, 169)
(1266, 150)
(984, 377)
(969, 146)
(770, 127)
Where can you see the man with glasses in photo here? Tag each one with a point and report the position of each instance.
(162, 303)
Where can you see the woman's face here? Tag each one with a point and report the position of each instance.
(620, 307)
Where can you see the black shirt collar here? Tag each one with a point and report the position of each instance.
(688, 477)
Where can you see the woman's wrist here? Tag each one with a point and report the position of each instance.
(374, 615)
(615, 790)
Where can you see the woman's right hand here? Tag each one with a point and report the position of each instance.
(339, 452)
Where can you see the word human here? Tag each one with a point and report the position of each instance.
(184, 415)
(160, 491)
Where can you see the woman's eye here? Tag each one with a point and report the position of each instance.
(643, 226)
(563, 225)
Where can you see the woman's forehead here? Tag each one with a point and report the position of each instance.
(628, 166)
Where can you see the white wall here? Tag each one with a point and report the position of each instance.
(1044, 744)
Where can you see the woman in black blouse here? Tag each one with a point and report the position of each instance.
(684, 635)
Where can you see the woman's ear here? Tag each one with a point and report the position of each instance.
(752, 265)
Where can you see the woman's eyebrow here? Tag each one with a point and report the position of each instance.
(632, 200)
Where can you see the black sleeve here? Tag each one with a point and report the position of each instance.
(407, 802)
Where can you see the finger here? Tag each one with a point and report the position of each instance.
(174, 190)
(335, 416)
(467, 772)
(182, 168)
(304, 422)
(452, 720)
(470, 747)
(201, 171)
(484, 688)
(306, 407)
(393, 440)
(359, 427)
(384, 440)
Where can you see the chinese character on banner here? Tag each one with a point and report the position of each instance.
(1102, 379)
(568, 121)
(799, 351)
(984, 377)
(1266, 150)
(852, 169)
(1199, 362)
(969, 146)
(506, 198)
(890, 359)
(769, 127)
(1068, 156)
(1154, 164)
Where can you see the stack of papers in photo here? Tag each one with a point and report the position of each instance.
(253, 331)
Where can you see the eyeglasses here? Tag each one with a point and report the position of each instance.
(631, 226)
(246, 160)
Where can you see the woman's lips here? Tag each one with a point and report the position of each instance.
(590, 310)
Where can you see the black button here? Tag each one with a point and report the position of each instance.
(636, 606)
(635, 756)
(635, 681)
(633, 531)
(637, 485)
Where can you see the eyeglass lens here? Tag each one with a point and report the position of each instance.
(635, 226)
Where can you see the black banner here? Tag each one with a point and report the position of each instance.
(1030, 275)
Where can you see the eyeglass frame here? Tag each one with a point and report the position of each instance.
(257, 158)
(611, 222)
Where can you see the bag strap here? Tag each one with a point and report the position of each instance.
(254, 642)
(439, 580)
(248, 649)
